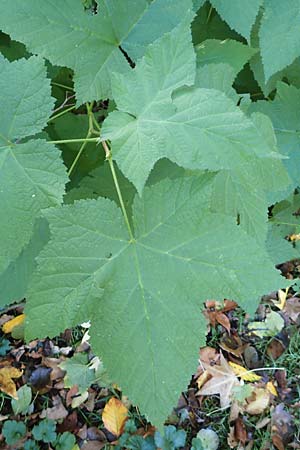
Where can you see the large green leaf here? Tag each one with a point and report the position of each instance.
(284, 113)
(196, 128)
(90, 45)
(147, 324)
(239, 14)
(217, 76)
(279, 35)
(218, 63)
(15, 279)
(32, 175)
(225, 51)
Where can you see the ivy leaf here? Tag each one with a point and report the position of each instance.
(4, 346)
(195, 128)
(65, 441)
(45, 431)
(31, 173)
(239, 14)
(172, 438)
(209, 439)
(21, 404)
(91, 45)
(283, 34)
(13, 431)
(31, 445)
(78, 372)
(152, 282)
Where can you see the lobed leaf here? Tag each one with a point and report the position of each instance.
(279, 35)
(90, 45)
(32, 176)
(148, 320)
(239, 14)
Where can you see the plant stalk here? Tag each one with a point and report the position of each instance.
(115, 178)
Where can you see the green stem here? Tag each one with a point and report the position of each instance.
(96, 123)
(69, 88)
(114, 175)
(89, 107)
(72, 141)
(209, 14)
(61, 113)
(79, 154)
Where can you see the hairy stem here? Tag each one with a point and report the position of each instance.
(61, 113)
(70, 141)
(115, 178)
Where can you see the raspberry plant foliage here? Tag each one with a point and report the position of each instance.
(150, 194)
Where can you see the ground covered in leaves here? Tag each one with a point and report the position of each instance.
(55, 393)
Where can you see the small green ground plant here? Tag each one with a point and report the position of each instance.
(149, 160)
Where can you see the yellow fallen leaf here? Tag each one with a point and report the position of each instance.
(202, 379)
(271, 388)
(243, 373)
(7, 385)
(114, 416)
(11, 324)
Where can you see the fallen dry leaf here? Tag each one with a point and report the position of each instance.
(57, 412)
(271, 388)
(11, 324)
(258, 402)
(275, 348)
(292, 308)
(209, 355)
(7, 385)
(282, 427)
(222, 381)
(233, 344)
(114, 416)
(214, 312)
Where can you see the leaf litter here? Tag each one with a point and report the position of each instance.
(246, 386)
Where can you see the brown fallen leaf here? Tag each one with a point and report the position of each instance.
(209, 355)
(240, 431)
(7, 385)
(258, 401)
(282, 427)
(233, 344)
(11, 324)
(275, 348)
(57, 411)
(222, 381)
(114, 416)
(292, 308)
(214, 312)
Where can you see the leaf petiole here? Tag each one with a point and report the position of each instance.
(114, 175)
